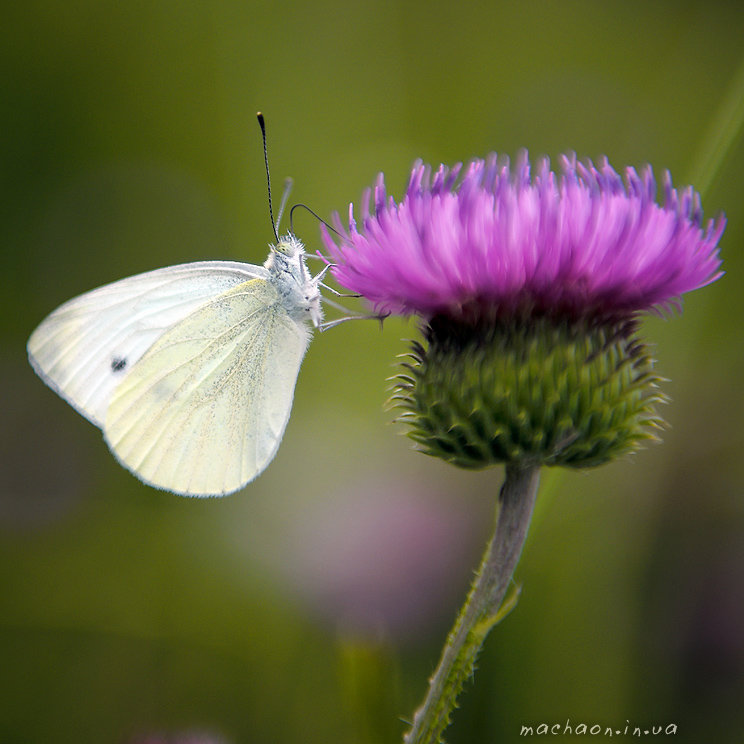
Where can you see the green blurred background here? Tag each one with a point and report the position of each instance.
(311, 607)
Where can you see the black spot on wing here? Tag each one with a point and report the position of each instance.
(118, 364)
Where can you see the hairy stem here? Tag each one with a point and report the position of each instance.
(481, 609)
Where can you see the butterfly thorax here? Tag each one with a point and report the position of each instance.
(298, 291)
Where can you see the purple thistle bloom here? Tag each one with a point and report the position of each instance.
(528, 291)
(582, 243)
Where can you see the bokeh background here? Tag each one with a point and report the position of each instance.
(311, 607)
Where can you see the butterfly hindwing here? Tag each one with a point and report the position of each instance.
(86, 347)
(204, 409)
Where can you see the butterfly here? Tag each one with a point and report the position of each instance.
(189, 370)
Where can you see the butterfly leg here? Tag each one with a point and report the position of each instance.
(336, 292)
(332, 323)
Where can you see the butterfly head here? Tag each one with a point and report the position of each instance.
(287, 255)
(298, 289)
(289, 246)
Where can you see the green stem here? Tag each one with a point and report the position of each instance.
(481, 609)
(722, 132)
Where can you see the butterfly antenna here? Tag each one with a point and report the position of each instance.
(317, 217)
(262, 124)
(288, 183)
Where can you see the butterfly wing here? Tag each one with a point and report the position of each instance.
(86, 347)
(204, 410)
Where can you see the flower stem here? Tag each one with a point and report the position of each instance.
(481, 609)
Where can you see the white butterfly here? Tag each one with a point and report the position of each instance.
(189, 370)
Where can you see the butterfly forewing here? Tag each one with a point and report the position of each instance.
(86, 347)
(204, 410)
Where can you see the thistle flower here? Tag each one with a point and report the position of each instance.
(584, 243)
(529, 291)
